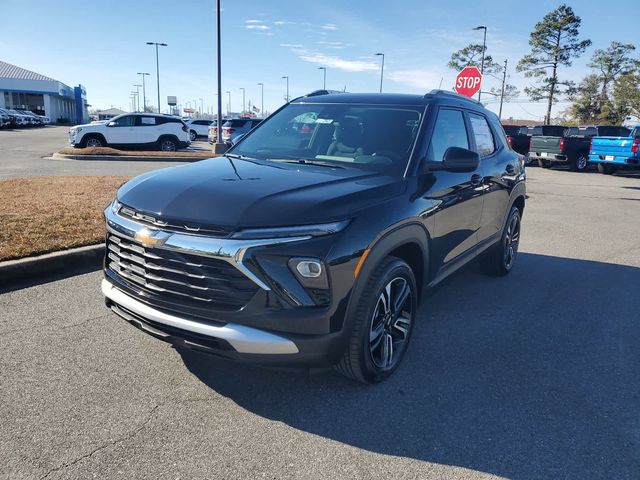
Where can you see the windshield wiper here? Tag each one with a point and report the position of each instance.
(240, 157)
(304, 161)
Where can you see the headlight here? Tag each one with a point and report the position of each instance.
(298, 231)
(115, 206)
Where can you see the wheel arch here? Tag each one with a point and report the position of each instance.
(86, 136)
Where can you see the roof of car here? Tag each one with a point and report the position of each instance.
(388, 98)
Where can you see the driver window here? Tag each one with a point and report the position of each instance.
(127, 121)
(449, 131)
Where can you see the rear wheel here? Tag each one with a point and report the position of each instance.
(606, 169)
(502, 256)
(193, 135)
(383, 322)
(93, 141)
(544, 163)
(167, 145)
(528, 161)
(579, 163)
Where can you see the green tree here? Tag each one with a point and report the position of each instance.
(612, 62)
(586, 106)
(554, 43)
(626, 94)
(471, 55)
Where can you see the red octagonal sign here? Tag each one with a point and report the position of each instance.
(468, 81)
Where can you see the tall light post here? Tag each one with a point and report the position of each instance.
(138, 94)
(261, 99)
(484, 47)
(144, 92)
(219, 146)
(381, 69)
(158, 67)
(324, 77)
(201, 106)
(287, 78)
(228, 92)
(244, 109)
(134, 96)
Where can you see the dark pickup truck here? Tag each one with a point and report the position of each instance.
(518, 139)
(568, 146)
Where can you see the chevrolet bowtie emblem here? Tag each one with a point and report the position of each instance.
(151, 238)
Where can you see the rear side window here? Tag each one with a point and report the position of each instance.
(146, 121)
(449, 131)
(235, 123)
(485, 144)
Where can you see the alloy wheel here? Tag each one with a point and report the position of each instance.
(511, 240)
(391, 323)
(581, 162)
(94, 142)
(167, 146)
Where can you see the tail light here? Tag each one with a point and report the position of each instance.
(590, 145)
(185, 128)
(510, 141)
(530, 139)
(227, 130)
(562, 144)
(635, 146)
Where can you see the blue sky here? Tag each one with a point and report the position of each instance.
(102, 44)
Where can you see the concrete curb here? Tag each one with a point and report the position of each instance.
(122, 158)
(31, 270)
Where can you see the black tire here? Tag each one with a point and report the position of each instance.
(528, 161)
(167, 144)
(93, 141)
(606, 169)
(501, 257)
(579, 163)
(544, 163)
(365, 360)
(193, 135)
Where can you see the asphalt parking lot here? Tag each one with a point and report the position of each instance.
(26, 152)
(530, 376)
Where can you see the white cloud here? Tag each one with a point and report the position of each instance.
(337, 62)
(421, 79)
(329, 26)
(333, 45)
(253, 26)
(284, 22)
(253, 21)
(291, 45)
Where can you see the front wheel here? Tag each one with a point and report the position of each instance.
(606, 169)
(382, 323)
(502, 256)
(93, 141)
(167, 145)
(193, 135)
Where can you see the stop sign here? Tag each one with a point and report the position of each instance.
(468, 81)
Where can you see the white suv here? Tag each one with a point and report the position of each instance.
(162, 132)
(198, 128)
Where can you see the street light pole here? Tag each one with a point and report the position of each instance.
(201, 107)
(287, 78)
(158, 67)
(219, 53)
(381, 69)
(261, 99)
(484, 47)
(244, 108)
(229, 102)
(144, 92)
(324, 77)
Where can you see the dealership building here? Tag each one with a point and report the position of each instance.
(22, 89)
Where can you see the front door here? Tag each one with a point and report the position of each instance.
(122, 131)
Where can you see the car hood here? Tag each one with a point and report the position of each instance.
(235, 193)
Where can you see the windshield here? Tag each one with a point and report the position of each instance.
(372, 137)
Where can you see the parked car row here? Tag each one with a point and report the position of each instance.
(133, 130)
(233, 129)
(10, 118)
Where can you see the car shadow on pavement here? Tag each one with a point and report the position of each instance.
(534, 375)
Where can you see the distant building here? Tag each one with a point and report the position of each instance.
(108, 113)
(23, 89)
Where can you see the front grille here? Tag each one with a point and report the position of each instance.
(178, 279)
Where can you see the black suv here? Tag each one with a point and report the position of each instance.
(310, 246)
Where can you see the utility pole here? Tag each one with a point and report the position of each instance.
(158, 67)
(144, 92)
(201, 107)
(287, 78)
(504, 82)
(138, 94)
(261, 99)
(219, 146)
(484, 47)
(381, 69)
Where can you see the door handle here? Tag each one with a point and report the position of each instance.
(476, 180)
(510, 169)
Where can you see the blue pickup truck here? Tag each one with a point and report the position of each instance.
(613, 153)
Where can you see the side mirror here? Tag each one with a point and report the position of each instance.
(458, 159)
(111, 124)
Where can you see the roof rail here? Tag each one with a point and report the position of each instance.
(441, 93)
(323, 91)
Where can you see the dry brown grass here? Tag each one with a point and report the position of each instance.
(44, 214)
(135, 153)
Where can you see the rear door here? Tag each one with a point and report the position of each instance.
(499, 167)
(147, 129)
(456, 197)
